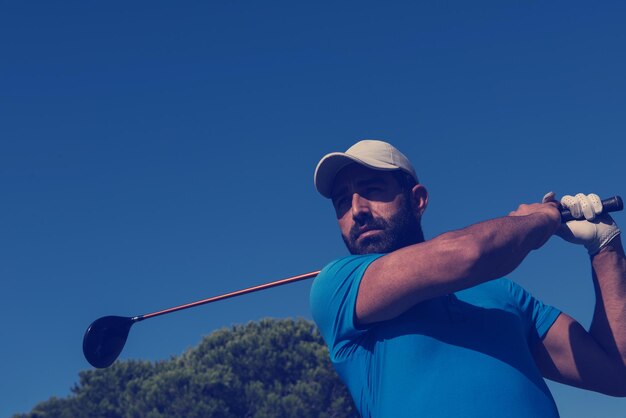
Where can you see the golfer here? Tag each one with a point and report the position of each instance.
(430, 328)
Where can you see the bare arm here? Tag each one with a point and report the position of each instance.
(594, 359)
(453, 261)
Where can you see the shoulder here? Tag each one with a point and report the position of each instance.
(348, 265)
(335, 288)
(341, 269)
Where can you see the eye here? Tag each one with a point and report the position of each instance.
(341, 204)
(372, 191)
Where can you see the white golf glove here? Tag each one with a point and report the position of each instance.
(594, 230)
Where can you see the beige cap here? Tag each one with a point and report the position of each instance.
(377, 155)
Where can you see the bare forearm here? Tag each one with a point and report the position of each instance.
(504, 244)
(496, 247)
(608, 326)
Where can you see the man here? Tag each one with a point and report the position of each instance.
(430, 328)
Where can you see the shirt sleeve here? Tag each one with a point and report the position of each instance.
(333, 300)
(537, 316)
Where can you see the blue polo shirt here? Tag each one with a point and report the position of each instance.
(466, 354)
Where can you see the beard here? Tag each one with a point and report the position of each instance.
(400, 230)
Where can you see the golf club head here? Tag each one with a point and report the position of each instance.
(104, 340)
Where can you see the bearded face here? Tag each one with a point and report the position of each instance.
(375, 234)
(376, 210)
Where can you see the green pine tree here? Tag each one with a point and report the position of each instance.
(270, 368)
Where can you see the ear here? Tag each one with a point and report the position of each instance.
(419, 199)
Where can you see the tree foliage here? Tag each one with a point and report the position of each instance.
(270, 368)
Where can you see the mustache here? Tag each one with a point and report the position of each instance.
(370, 223)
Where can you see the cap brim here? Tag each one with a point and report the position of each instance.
(332, 163)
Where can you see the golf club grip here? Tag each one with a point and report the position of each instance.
(612, 204)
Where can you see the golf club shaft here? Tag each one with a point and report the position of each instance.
(229, 295)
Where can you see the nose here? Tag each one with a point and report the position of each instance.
(360, 208)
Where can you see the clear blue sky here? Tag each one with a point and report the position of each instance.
(156, 153)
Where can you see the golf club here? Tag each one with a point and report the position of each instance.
(105, 337)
